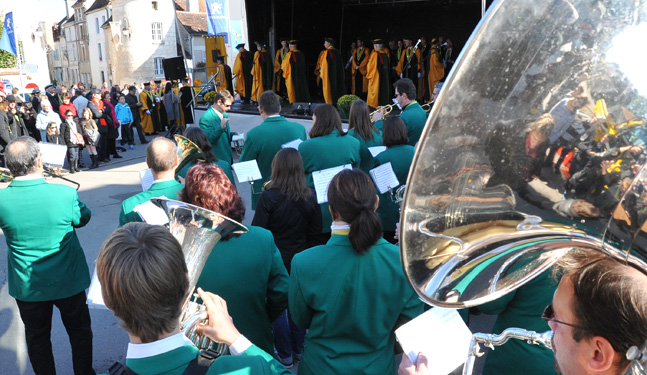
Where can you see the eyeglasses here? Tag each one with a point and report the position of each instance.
(549, 316)
(397, 94)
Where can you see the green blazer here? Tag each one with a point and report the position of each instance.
(366, 158)
(400, 157)
(45, 259)
(351, 304)
(263, 142)
(169, 189)
(252, 362)
(225, 166)
(248, 272)
(415, 118)
(328, 151)
(220, 138)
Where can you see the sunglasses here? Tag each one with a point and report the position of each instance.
(549, 316)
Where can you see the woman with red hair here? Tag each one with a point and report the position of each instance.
(246, 270)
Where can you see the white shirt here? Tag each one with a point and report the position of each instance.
(136, 351)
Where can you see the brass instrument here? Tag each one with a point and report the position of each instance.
(384, 110)
(198, 230)
(469, 233)
(187, 152)
(428, 106)
(265, 184)
(5, 174)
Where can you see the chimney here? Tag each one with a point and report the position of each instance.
(67, 9)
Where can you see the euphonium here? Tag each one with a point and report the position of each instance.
(384, 110)
(187, 152)
(472, 230)
(198, 230)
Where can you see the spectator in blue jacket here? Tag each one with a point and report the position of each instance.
(125, 117)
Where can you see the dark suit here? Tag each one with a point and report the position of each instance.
(132, 101)
(47, 267)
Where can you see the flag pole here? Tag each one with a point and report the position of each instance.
(19, 58)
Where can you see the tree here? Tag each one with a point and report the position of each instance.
(7, 60)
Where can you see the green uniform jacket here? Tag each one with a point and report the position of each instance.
(415, 118)
(252, 362)
(45, 259)
(401, 157)
(220, 138)
(328, 151)
(169, 189)
(263, 142)
(248, 272)
(521, 308)
(351, 304)
(366, 158)
(226, 167)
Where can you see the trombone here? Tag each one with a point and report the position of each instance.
(384, 110)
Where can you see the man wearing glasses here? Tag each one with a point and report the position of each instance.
(215, 125)
(413, 115)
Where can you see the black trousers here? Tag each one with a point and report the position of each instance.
(37, 317)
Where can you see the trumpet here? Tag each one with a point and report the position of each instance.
(384, 110)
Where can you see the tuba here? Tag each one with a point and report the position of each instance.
(481, 217)
(187, 152)
(198, 230)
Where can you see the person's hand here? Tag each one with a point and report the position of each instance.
(397, 231)
(400, 75)
(148, 112)
(419, 75)
(223, 123)
(21, 109)
(636, 150)
(140, 104)
(605, 165)
(407, 368)
(221, 326)
(377, 116)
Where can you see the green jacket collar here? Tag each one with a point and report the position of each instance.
(23, 183)
(163, 185)
(274, 119)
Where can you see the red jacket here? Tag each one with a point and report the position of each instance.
(67, 107)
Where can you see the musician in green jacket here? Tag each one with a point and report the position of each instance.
(143, 279)
(161, 158)
(266, 139)
(351, 294)
(46, 264)
(215, 124)
(412, 113)
(328, 147)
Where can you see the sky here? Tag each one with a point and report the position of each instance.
(53, 10)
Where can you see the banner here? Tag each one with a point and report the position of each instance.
(217, 17)
(8, 40)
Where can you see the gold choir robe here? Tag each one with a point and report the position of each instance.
(146, 119)
(360, 55)
(436, 70)
(379, 79)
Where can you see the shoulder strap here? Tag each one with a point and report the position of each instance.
(200, 364)
(119, 368)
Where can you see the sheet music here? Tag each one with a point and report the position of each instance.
(376, 150)
(384, 178)
(238, 137)
(53, 155)
(322, 179)
(95, 298)
(146, 178)
(292, 144)
(152, 213)
(247, 171)
(441, 335)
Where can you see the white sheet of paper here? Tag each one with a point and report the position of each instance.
(384, 178)
(441, 335)
(322, 179)
(151, 213)
(376, 150)
(95, 298)
(292, 144)
(238, 137)
(146, 178)
(247, 171)
(53, 155)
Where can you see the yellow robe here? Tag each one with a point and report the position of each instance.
(221, 80)
(257, 72)
(403, 62)
(146, 119)
(373, 77)
(436, 70)
(322, 55)
(239, 87)
(362, 69)
(282, 53)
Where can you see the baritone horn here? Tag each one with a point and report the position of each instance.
(5, 175)
(384, 110)
(475, 224)
(197, 230)
(187, 152)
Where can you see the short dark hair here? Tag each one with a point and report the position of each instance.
(405, 86)
(21, 156)
(143, 279)
(610, 300)
(132, 88)
(351, 195)
(394, 131)
(327, 120)
(161, 154)
(270, 103)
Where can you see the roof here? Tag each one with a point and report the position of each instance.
(78, 2)
(69, 20)
(107, 23)
(98, 4)
(194, 23)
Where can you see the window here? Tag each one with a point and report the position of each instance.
(154, 5)
(159, 69)
(103, 77)
(100, 53)
(157, 32)
(96, 22)
(81, 32)
(103, 19)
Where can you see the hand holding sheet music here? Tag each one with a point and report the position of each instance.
(384, 178)
(292, 144)
(247, 171)
(146, 178)
(322, 179)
